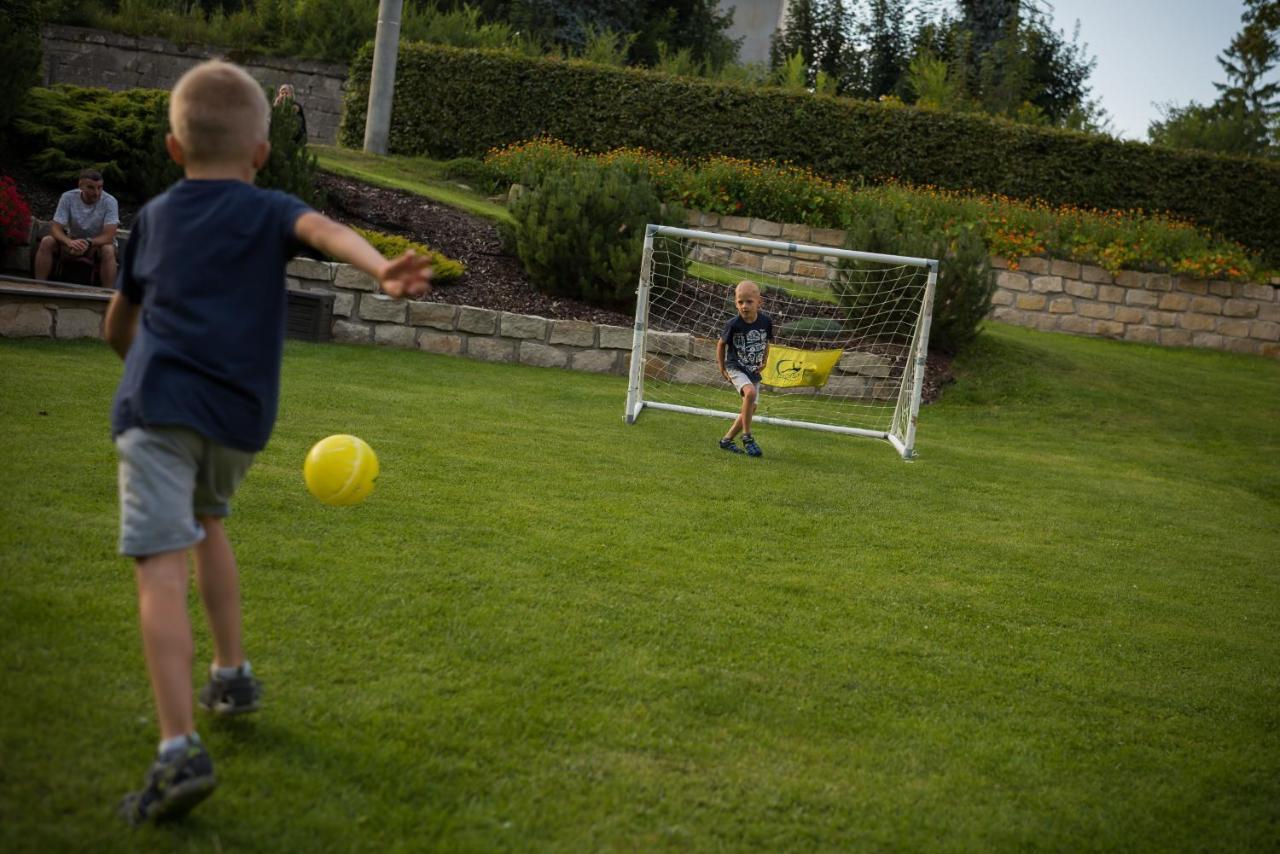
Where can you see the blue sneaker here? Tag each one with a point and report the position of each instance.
(728, 445)
(175, 783)
(749, 442)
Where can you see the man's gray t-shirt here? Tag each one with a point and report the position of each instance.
(87, 221)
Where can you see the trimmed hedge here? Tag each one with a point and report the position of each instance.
(451, 102)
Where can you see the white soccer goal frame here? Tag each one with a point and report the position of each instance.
(901, 434)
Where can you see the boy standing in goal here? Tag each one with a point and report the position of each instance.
(741, 354)
(199, 321)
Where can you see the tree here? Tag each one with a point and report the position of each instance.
(1011, 62)
(1220, 127)
(799, 35)
(1245, 119)
(886, 57)
(696, 25)
(1248, 59)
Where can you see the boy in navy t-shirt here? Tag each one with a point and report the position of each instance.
(199, 319)
(741, 354)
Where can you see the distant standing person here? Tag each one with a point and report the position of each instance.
(84, 225)
(286, 95)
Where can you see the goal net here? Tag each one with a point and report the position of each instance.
(850, 332)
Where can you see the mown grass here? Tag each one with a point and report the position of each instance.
(1060, 629)
(419, 175)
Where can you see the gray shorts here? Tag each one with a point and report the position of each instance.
(740, 380)
(168, 476)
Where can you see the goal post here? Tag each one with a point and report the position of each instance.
(850, 332)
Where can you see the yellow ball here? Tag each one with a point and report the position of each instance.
(340, 470)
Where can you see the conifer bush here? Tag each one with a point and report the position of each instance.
(444, 270)
(579, 232)
(291, 167)
(962, 296)
(22, 50)
(63, 129)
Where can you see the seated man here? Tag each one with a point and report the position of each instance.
(83, 229)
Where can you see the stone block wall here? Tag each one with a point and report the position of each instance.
(1056, 296)
(31, 310)
(810, 271)
(362, 315)
(1061, 296)
(85, 57)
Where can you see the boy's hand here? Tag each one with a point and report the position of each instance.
(407, 276)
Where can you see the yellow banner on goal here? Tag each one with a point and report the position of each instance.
(789, 367)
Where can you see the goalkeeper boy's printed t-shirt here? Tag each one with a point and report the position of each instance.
(206, 261)
(746, 343)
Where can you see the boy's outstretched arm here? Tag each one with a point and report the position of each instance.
(406, 276)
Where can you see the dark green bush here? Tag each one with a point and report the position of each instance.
(962, 295)
(472, 171)
(580, 232)
(64, 129)
(21, 48)
(291, 167)
(962, 298)
(67, 128)
(452, 102)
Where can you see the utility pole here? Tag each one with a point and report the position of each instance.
(382, 82)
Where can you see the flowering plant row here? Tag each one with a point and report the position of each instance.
(1011, 228)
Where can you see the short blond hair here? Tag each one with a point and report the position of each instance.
(218, 113)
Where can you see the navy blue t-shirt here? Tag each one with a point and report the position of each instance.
(746, 343)
(206, 260)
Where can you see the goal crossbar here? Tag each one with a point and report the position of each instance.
(902, 363)
(760, 243)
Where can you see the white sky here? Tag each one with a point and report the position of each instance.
(1150, 51)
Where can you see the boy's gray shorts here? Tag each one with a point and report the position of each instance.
(168, 476)
(740, 380)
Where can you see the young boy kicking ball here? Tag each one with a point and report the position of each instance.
(198, 317)
(741, 353)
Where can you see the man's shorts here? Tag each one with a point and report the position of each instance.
(168, 476)
(740, 380)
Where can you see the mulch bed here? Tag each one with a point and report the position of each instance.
(494, 278)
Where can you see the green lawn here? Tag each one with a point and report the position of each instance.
(1059, 630)
(419, 175)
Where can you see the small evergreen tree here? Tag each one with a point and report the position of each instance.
(580, 231)
(291, 167)
(962, 295)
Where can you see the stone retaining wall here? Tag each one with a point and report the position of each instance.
(1058, 296)
(85, 57)
(360, 315)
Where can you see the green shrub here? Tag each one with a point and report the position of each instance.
(444, 270)
(21, 48)
(64, 129)
(962, 295)
(291, 167)
(580, 232)
(451, 102)
(472, 171)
